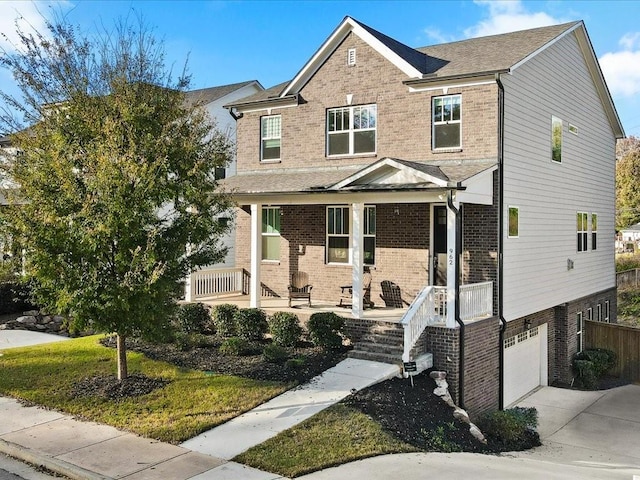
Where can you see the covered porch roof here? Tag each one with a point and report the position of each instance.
(389, 180)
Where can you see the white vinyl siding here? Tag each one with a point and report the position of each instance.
(555, 82)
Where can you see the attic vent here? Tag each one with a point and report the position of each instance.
(351, 57)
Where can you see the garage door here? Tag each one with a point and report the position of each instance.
(525, 363)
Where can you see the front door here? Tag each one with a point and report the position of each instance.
(439, 260)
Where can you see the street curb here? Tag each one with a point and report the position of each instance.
(61, 467)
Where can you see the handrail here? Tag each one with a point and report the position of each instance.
(430, 308)
(421, 314)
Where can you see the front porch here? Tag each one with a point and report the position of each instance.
(380, 333)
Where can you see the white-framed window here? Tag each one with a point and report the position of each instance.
(271, 233)
(579, 326)
(594, 231)
(447, 122)
(607, 311)
(339, 236)
(370, 235)
(556, 139)
(352, 130)
(582, 226)
(589, 313)
(270, 137)
(514, 225)
(599, 312)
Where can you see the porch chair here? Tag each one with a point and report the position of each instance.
(300, 287)
(346, 293)
(392, 295)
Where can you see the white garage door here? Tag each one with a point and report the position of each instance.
(525, 363)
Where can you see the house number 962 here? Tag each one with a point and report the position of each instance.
(451, 256)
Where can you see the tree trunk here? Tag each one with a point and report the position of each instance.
(122, 358)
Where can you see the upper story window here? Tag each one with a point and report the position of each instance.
(351, 130)
(556, 139)
(447, 122)
(594, 231)
(270, 128)
(514, 226)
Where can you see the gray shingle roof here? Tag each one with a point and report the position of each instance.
(489, 54)
(310, 180)
(208, 95)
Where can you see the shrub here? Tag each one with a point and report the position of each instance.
(14, 297)
(326, 330)
(285, 329)
(512, 429)
(251, 323)
(193, 318)
(591, 364)
(236, 347)
(295, 363)
(274, 353)
(224, 319)
(627, 262)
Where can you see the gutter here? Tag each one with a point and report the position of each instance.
(503, 322)
(458, 249)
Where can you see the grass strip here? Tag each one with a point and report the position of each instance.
(335, 436)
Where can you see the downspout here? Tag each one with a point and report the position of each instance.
(458, 249)
(503, 322)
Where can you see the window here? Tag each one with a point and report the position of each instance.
(270, 138)
(513, 222)
(271, 233)
(594, 231)
(606, 311)
(351, 130)
(220, 173)
(589, 313)
(556, 139)
(599, 310)
(339, 238)
(369, 235)
(581, 227)
(337, 234)
(579, 331)
(447, 122)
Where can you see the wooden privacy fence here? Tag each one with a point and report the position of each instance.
(628, 278)
(623, 340)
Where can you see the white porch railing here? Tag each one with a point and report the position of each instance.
(430, 308)
(217, 282)
(476, 300)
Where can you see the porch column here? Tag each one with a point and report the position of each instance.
(451, 264)
(256, 255)
(357, 258)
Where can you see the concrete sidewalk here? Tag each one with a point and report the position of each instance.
(90, 451)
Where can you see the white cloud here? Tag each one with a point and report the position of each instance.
(503, 16)
(622, 69)
(29, 15)
(508, 16)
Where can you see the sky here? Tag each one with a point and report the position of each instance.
(270, 41)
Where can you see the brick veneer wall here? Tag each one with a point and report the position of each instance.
(482, 366)
(444, 344)
(402, 242)
(403, 123)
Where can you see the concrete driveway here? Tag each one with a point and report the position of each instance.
(24, 338)
(586, 435)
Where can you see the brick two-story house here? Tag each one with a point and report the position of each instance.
(477, 175)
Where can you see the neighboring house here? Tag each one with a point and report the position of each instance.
(476, 175)
(214, 99)
(630, 234)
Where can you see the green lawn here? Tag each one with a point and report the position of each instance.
(334, 436)
(191, 403)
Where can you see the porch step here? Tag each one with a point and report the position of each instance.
(376, 357)
(376, 347)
